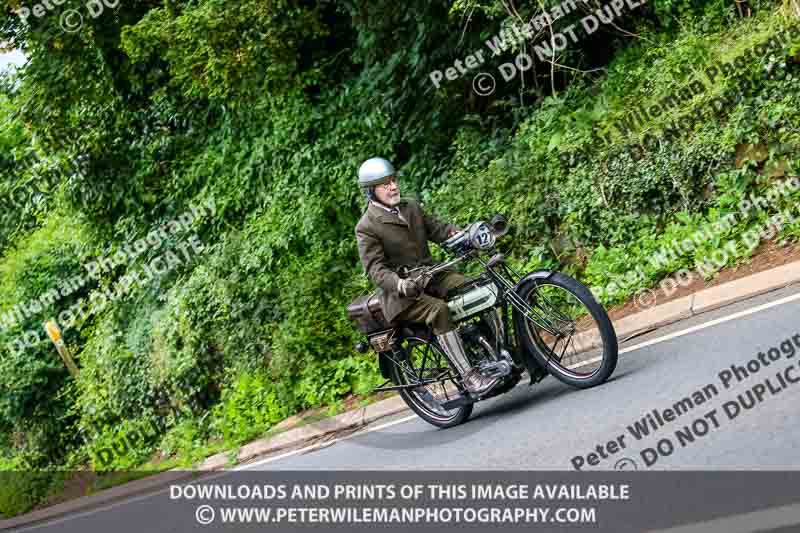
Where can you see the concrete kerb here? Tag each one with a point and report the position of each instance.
(709, 300)
(763, 282)
(305, 434)
(655, 317)
(290, 438)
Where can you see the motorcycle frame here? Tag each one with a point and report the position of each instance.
(508, 288)
(503, 276)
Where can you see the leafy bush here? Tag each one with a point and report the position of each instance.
(20, 489)
(269, 109)
(37, 394)
(248, 408)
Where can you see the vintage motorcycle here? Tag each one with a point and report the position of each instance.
(557, 327)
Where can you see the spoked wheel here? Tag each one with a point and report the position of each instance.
(428, 367)
(567, 331)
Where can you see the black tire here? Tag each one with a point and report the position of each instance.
(414, 399)
(534, 339)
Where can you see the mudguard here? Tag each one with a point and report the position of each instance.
(534, 368)
(527, 278)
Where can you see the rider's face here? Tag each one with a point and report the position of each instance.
(388, 193)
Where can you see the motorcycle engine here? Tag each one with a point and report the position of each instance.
(478, 343)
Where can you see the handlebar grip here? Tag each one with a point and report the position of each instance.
(423, 280)
(456, 241)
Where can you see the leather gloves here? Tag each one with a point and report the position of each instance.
(408, 288)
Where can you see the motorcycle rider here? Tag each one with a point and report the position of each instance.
(394, 233)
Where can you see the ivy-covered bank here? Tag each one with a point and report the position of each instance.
(266, 109)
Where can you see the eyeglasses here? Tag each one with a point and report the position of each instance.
(392, 180)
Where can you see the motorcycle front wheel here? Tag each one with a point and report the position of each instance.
(426, 366)
(567, 331)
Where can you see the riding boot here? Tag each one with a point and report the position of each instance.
(476, 383)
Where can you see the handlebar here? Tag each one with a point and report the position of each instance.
(424, 274)
(477, 236)
(465, 243)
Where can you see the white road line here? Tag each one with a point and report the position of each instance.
(704, 325)
(712, 323)
(681, 333)
(665, 338)
(93, 511)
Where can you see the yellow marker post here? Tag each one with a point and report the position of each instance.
(54, 332)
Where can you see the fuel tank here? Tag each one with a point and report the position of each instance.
(473, 301)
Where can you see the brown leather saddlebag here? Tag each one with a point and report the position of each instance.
(367, 312)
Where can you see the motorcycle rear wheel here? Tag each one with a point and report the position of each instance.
(425, 363)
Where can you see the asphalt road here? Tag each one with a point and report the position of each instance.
(552, 427)
(548, 425)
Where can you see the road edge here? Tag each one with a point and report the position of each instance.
(627, 327)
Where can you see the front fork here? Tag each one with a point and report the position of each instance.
(509, 299)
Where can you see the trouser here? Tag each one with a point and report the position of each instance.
(431, 308)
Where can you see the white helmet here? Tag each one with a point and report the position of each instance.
(375, 171)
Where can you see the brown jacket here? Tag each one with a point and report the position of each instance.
(385, 243)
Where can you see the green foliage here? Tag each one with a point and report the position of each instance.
(36, 391)
(322, 384)
(115, 379)
(124, 446)
(23, 174)
(216, 48)
(20, 488)
(268, 108)
(187, 440)
(249, 408)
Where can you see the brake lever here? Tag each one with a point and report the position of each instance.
(423, 280)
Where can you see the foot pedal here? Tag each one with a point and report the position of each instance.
(495, 369)
(456, 403)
